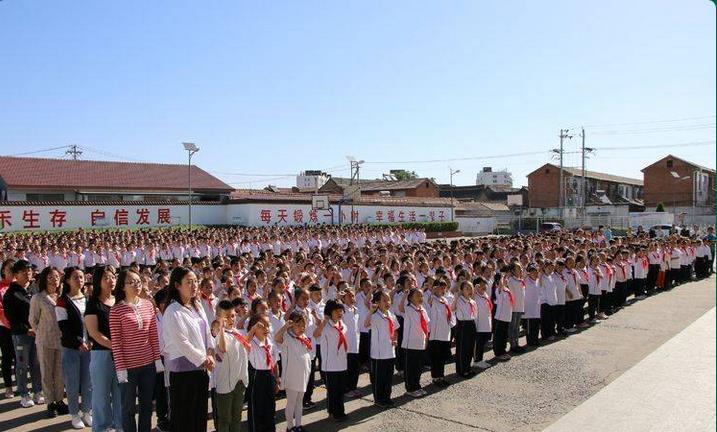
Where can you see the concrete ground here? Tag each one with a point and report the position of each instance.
(528, 393)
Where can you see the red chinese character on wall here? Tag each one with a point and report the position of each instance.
(440, 215)
(379, 215)
(31, 218)
(265, 216)
(299, 216)
(282, 215)
(412, 216)
(432, 215)
(142, 216)
(5, 219)
(121, 217)
(391, 216)
(58, 218)
(95, 216)
(401, 216)
(313, 217)
(164, 216)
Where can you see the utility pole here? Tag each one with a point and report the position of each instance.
(452, 206)
(561, 188)
(74, 152)
(584, 186)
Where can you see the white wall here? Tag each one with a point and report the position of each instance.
(476, 225)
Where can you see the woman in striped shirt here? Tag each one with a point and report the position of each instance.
(135, 348)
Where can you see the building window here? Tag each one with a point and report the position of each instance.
(669, 163)
(44, 197)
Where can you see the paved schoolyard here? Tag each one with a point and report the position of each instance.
(528, 393)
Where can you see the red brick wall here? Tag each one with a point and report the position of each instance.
(426, 189)
(543, 187)
(661, 186)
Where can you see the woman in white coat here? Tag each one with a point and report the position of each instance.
(189, 352)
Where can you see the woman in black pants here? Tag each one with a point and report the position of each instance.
(6, 348)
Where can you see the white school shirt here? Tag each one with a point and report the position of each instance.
(503, 307)
(413, 336)
(127, 258)
(655, 257)
(604, 283)
(560, 286)
(517, 288)
(395, 301)
(641, 266)
(532, 298)
(571, 277)
(351, 319)
(257, 355)
(464, 311)
(333, 354)
(381, 345)
(310, 326)
(209, 307)
(548, 290)
(675, 259)
(484, 318)
(232, 367)
(594, 277)
(441, 319)
(363, 311)
(295, 364)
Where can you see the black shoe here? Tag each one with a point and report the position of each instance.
(163, 425)
(61, 408)
(517, 349)
(51, 410)
(309, 405)
(340, 417)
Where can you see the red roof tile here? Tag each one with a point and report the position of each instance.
(25, 173)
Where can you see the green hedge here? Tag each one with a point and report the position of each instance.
(426, 226)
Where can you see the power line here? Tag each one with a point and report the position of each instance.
(461, 159)
(687, 144)
(648, 122)
(656, 130)
(38, 151)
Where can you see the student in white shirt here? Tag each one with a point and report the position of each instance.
(231, 375)
(504, 303)
(363, 303)
(548, 300)
(516, 285)
(332, 336)
(382, 324)
(352, 320)
(261, 403)
(441, 321)
(484, 321)
(415, 338)
(574, 298)
(532, 306)
(466, 311)
(296, 354)
(594, 276)
(560, 290)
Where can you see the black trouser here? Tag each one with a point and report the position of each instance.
(261, 411)
(8, 355)
(440, 352)
(572, 309)
(352, 372)
(364, 347)
(413, 369)
(335, 389)
(317, 360)
(381, 376)
(311, 383)
(619, 293)
(559, 317)
(213, 403)
(608, 300)
(160, 398)
(685, 273)
(593, 305)
(699, 267)
(533, 329)
(652, 273)
(465, 344)
(638, 286)
(584, 289)
(500, 342)
(481, 339)
(188, 394)
(547, 321)
(671, 277)
(400, 355)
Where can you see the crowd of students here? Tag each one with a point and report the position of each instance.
(130, 324)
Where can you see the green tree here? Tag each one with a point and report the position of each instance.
(404, 175)
(660, 208)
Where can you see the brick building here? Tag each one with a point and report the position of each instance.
(601, 188)
(676, 182)
(422, 187)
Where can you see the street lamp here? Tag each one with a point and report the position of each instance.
(191, 148)
(452, 172)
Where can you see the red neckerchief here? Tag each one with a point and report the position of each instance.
(242, 340)
(645, 263)
(510, 297)
(342, 337)
(449, 313)
(424, 323)
(284, 307)
(391, 327)
(488, 302)
(304, 340)
(585, 273)
(267, 353)
(472, 307)
(597, 276)
(522, 282)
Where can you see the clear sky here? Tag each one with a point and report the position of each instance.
(274, 87)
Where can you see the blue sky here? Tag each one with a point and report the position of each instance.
(276, 87)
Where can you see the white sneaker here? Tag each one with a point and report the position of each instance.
(39, 399)
(87, 419)
(423, 392)
(77, 422)
(8, 393)
(484, 364)
(571, 330)
(415, 394)
(26, 402)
